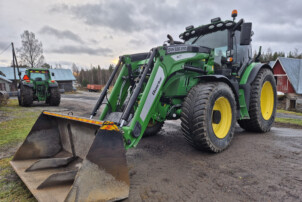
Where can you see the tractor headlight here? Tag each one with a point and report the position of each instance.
(219, 25)
(211, 26)
(229, 24)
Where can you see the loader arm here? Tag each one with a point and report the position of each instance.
(157, 77)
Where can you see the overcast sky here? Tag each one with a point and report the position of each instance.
(96, 32)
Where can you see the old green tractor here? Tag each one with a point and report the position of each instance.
(209, 81)
(37, 85)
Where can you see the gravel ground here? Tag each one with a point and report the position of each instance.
(256, 167)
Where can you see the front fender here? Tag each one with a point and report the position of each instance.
(233, 83)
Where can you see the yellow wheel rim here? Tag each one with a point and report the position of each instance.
(267, 100)
(223, 125)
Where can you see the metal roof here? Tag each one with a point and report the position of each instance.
(9, 72)
(60, 74)
(5, 79)
(293, 70)
(272, 63)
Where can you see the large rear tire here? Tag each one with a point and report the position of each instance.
(208, 116)
(19, 98)
(153, 128)
(26, 96)
(263, 102)
(55, 97)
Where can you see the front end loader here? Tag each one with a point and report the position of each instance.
(209, 80)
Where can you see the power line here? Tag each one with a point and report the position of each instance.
(5, 49)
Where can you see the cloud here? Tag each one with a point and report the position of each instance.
(108, 37)
(136, 42)
(293, 37)
(3, 45)
(81, 50)
(65, 34)
(114, 14)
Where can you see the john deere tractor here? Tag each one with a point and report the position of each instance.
(209, 81)
(37, 85)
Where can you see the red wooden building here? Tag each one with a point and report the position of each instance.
(288, 72)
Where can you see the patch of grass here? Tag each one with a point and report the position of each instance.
(11, 188)
(290, 121)
(16, 129)
(13, 131)
(288, 112)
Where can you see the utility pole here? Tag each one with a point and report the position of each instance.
(15, 64)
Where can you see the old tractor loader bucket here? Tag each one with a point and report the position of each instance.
(66, 158)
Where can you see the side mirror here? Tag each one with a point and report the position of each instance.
(52, 74)
(246, 33)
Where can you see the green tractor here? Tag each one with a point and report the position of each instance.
(37, 85)
(209, 81)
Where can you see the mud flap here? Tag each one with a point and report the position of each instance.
(66, 158)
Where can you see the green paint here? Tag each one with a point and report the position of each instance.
(168, 94)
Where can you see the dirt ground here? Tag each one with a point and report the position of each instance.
(256, 167)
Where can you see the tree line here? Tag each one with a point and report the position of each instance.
(94, 75)
(269, 55)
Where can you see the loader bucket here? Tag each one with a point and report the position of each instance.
(66, 158)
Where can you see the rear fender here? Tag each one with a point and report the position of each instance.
(53, 85)
(31, 85)
(248, 77)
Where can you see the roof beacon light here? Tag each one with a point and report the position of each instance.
(234, 14)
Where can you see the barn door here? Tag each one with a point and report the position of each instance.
(282, 84)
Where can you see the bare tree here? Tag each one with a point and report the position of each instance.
(31, 52)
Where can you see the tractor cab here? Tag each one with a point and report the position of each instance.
(228, 40)
(37, 75)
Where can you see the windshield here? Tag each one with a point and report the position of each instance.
(39, 74)
(217, 40)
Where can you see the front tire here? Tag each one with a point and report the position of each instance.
(208, 116)
(263, 101)
(55, 97)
